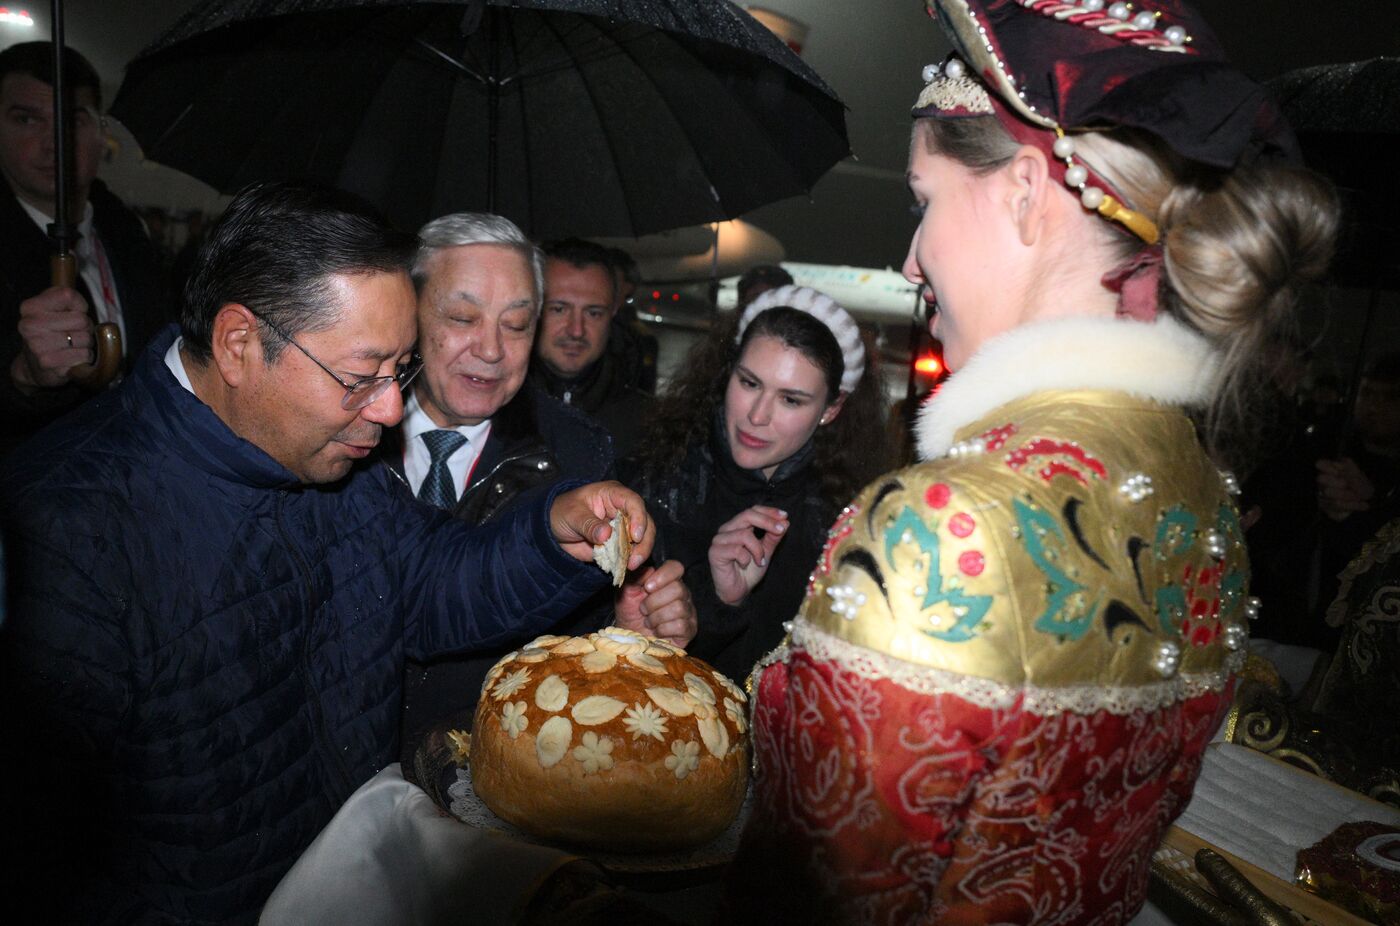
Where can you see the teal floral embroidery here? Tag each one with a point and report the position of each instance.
(1232, 585)
(967, 609)
(1176, 530)
(1045, 542)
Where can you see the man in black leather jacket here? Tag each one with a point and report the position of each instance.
(477, 440)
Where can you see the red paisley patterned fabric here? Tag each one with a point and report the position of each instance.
(878, 805)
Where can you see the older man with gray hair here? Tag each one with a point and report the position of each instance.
(474, 442)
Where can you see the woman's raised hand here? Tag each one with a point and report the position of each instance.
(742, 549)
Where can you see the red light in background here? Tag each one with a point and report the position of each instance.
(929, 366)
(656, 294)
(675, 297)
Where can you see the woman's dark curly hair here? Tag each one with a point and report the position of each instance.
(848, 453)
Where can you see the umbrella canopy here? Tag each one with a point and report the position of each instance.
(596, 117)
(1347, 117)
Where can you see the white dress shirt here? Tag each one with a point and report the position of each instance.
(416, 458)
(93, 267)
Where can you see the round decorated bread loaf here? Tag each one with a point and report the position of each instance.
(612, 741)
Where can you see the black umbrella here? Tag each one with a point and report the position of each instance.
(598, 117)
(1347, 118)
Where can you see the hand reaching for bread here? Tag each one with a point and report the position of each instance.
(657, 603)
(741, 550)
(580, 519)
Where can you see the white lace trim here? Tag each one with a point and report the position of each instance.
(987, 693)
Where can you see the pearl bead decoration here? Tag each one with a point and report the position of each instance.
(1230, 482)
(930, 73)
(1215, 544)
(1092, 197)
(968, 448)
(1175, 34)
(953, 68)
(1236, 636)
(1119, 11)
(1075, 176)
(1251, 608)
(1145, 20)
(1093, 6)
(1167, 659)
(1064, 147)
(845, 601)
(1136, 487)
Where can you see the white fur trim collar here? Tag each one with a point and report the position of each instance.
(1163, 361)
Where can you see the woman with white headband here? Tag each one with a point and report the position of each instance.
(773, 423)
(998, 690)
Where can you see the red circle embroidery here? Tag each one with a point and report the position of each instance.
(961, 524)
(972, 563)
(938, 494)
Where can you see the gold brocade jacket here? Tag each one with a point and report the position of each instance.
(1074, 544)
(1011, 656)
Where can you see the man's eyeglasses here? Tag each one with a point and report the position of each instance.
(361, 392)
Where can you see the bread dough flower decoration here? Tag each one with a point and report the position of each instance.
(511, 684)
(594, 753)
(644, 720)
(513, 719)
(684, 758)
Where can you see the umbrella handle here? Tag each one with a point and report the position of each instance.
(107, 337)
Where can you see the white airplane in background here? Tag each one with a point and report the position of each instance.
(868, 294)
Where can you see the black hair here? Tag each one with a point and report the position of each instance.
(36, 60)
(770, 275)
(626, 264)
(803, 333)
(274, 248)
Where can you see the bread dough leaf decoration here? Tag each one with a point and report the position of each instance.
(461, 742)
(552, 742)
(574, 646)
(698, 689)
(594, 753)
(552, 694)
(650, 663)
(662, 649)
(645, 720)
(684, 758)
(598, 662)
(596, 709)
(671, 701)
(715, 736)
(545, 642)
(532, 654)
(735, 713)
(734, 690)
(511, 684)
(513, 719)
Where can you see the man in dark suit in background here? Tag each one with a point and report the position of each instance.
(478, 441)
(46, 331)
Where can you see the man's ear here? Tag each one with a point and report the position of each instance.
(235, 343)
(1031, 187)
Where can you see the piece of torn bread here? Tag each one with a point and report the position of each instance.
(612, 555)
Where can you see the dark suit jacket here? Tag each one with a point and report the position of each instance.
(24, 272)
(535, 442)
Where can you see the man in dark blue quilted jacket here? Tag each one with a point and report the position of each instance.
(213, 591)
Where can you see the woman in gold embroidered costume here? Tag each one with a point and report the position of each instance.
(1011, 656)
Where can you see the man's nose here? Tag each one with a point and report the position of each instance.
(488, 347)
(576, 328)
(387, 408)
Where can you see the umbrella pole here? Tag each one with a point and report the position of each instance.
(63, 266)
(493, 103)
